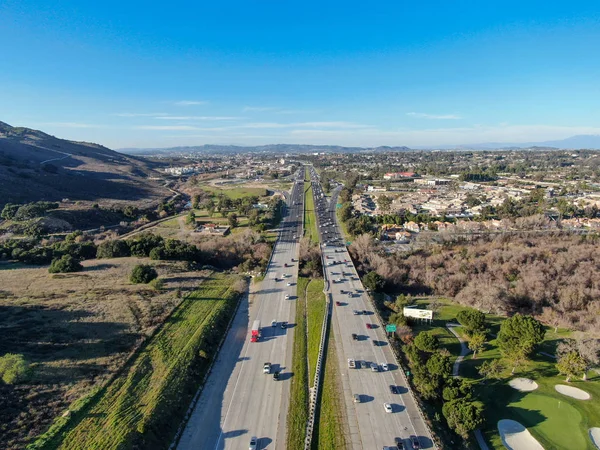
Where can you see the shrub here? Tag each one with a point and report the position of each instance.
(13, 368)
(65, 264)
(426, 342)
(113, 249)
(143, 273)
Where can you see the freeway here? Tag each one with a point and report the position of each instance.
(238, 400)
(376, 379)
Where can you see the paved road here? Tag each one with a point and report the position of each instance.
(371, 426)
(239, 401)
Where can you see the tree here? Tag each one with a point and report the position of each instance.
(439, 365)
(463, 416)
(65, 264)
(588, 350)
(143, 273)
(472, 319)
(491, 369)
(518, 337)
(190, 218)
(476, 343)
(9, 211)
(13, 368)
(457, 388)
(384, 202)
(426, 342)
(571, 364)
(113, 249)
(233, 220)
(373, 281)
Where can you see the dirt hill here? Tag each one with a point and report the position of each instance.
(37, 166)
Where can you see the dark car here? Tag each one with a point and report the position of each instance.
(276, 375)
(338, 303)
(399, 444)
(415, 442)
(284, 325)
(369, 326)
(355, 336)
(393, 389)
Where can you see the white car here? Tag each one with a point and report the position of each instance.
(388, 408)
(253, 443)
(351, 363)
(273, 323)
(384, 367)
(287, 297)
(289, 284)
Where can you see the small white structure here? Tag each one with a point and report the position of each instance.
(415, 313)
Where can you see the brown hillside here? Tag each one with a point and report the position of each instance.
(37, 166)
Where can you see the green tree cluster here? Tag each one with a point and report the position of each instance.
(14, 368)
(143, 273)
(65, 264)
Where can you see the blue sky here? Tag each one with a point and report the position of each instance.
(146, 74)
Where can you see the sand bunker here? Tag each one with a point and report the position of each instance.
(595, 436)
(572, 392)
(523, 384)
(516, 437)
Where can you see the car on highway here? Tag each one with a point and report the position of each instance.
(284, 325)
(276, 375)
(369, 326)
(374, 367)
(356, 312)
(287, 296)
(289, 284)
(351, 363)
(253, 443)
(356, 398)
(355, 336)
(415, 442)
(338, 303)
(267, 367)
(384, 367)
(400, 444)
(393, 389)
(388, 408)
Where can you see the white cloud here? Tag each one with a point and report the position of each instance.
(167, 117)
(128, 114)
(190, 102)
(434, 116)
(166, 127)
(71, 125)
(260, 108)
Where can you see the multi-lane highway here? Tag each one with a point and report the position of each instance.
(239, 401)
(370, 378)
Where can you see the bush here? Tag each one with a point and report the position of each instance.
(427, 342)
(113, 249)
(373, 281)
(157, 284)
(13, 368)
(65, 264)
(143, 273)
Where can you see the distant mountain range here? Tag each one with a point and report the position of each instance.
(271, 148)
(583, 141)
(37, 166)
(574, 142)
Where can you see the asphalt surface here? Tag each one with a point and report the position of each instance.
(370, 425)
(239, 400)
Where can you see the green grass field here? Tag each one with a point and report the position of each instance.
(555, 420)
(310, 220)
(234, 192)
(143, 407)
(298, 412)
(315, 311)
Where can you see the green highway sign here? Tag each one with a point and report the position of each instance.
(390, 328)
(338, 205)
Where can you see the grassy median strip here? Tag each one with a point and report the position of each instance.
(298, 411)
(310, 220)
(329, 429)
(143, 407)
(315, 311)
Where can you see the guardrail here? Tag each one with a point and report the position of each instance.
(316, 388)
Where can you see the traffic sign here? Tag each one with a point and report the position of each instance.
(390, 328)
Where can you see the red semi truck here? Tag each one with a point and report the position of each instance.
(255, 331)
